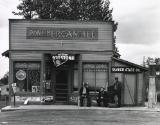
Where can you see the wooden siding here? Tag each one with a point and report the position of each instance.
(140, 88)
(96, 57)
(119, 64)
(129, 89)
(25, 56)
(18, 39)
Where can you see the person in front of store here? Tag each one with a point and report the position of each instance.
(100, 97)
(84, 95)
(118, 90)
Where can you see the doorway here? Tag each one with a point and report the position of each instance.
(61, 87)
(129, 89)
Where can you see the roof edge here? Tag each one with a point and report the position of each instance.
(130, 63)
(60, 21)
(6, 53)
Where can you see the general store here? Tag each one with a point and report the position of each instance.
(51, 59)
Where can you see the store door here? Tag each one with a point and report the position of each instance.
(129, 89)
(61, 87)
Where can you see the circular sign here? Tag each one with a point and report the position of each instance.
(21, 75)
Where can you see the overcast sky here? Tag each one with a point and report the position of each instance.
(138, 31)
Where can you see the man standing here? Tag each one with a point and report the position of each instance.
(118, 89)
(84, 94)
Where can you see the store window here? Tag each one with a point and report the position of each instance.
(96, 75)
(27, 76)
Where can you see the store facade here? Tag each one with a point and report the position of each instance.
(49, 60)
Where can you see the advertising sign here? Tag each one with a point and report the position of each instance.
(32, 99)
(59, 59)
(35, 88)
(14, 87)
(62, 33)
(21, 75)
(125, 70)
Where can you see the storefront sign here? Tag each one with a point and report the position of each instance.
(35, 88)
(14, 87)
(32, 99)
(62, 33)
(125, 70)
(20, 75)
(73, 99)
(45, 99)
(59, 59)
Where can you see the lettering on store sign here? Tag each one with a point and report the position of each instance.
(63, 57)
(60, 59)
(125, 70)
(62, 33)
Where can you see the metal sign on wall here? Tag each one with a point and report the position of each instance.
(125, 70)
(59, 59)
(48, 33)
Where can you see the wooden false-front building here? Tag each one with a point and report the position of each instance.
(49, 60)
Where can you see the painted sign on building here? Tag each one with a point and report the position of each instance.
(125, 70)
(62, 33)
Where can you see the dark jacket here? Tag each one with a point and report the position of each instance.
(118, 87)
(81, 91)
(101, 94)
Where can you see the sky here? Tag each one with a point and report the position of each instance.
(137, 36)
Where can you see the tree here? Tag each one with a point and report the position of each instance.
(85, 10)
(51, 9)
(4, 79)
(26, 9)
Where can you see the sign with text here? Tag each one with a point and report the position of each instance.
(59, 59)
(62, 33)
(125, 70)
(21, 75)
(31, 99)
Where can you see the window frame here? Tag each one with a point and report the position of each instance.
(95, 72)
(27, 71)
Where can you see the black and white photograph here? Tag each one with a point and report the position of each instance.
(79, 62)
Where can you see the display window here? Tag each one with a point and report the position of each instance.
(96, 75)
(27, 76)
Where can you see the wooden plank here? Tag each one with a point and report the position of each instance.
(140, 88)
(10, 79)
(80, 72)
(129, 89)
(136, 90)
(96, 57)
(25, 55)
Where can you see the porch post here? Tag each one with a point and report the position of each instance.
(79, 72)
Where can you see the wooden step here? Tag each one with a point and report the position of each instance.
(61, 99)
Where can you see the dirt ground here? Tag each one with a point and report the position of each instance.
(79, 117)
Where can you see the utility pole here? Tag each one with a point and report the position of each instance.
(152, 96)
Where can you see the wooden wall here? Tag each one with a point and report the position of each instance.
(96, 57)
(19, 40)
(25, 56)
